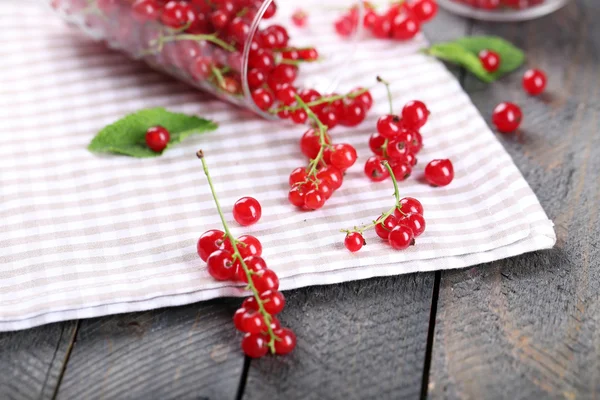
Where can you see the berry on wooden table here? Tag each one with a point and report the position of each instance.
(157, 138)
(507, 117)
(534, 82)
(247, 211)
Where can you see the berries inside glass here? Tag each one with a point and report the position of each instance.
(249, 52)
(503, 10)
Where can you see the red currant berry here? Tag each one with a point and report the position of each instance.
(507, 117)
(249, 246)
(534, 82)
(270, 11)
(375, 170)
(262, 59)
(344, 26)
(247, 211)
(401, 170)
(415, 222)
(326, 190)
(405, 26)
(220, 265)
(286, 342)
(296, 196)
(157, 138)
(299, 116)
(238, 318)
(309, 54)
(275, 324)
(384, 227)
(490, 60)
(254, 264)
(281, 74)
(354, 113)
(415, 115)
(253, 322)
(273, 301)
(256, 78)
(310, 143)
(299, 18)
(328, 117)
(286, 93)
(177, 14)
(411, 159)
(265, 280)
(408, 205)
(262, 98)
(382, 27)
(388, 126)
(145, 10)
(424, 10)
(211, 241)
(343, 156)
(396, 150)
(401, 237)
(354, 241)
(297, 176)
(332, 175)
(365, 98)
(250, 304)
(377, 144)
(255, 345)
(239, 30)
(313, 200)
(439, 172)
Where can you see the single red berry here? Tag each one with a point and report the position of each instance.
(250, 304)
(424, 10)
(326, 189)
(145, 10)
(415, 222)
(354, 241)
(275, 324)
(239, 30)
(249, 246)
(297, 176)
(220, 265)
(490, 60)
(265, 279)
(354, 113)
(262, 59)
(286, 342)
(415, 114)
(313, 200)
(397, 150)
(388, 126)
(177, 14)
(309, 54)
(273, 301)
(157, 138)
(411, 159)
(255, 345)
(382, 27)
(247, 211)
(384, 227)
(200, 68)
(405, 26)
(299, 18)
(534, 82)
(507, 117)
(343, 156)
(365, 98)
(401, 237)
(238, 318)
(310, 143)
(282, 73)
(332, 175)
(256, 78)
(344, 26)
(286, 93)
(439, 172)
(377, 143)
(375, 170)
(299, 116)
(253, 322)
(211, 241)
(409, 205)
(254, 264)
(296, 196)
(270, 11)
(401, 170)
(328, 117)
(263, 98)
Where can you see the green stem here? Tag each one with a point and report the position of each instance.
(389, 93)
(209, 38)
(297, 63)
(322, 100)
(314, 163)
(237, 256)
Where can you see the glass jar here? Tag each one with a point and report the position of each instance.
(238, 50)
(502, 10)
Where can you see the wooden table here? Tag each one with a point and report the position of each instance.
(522, 328)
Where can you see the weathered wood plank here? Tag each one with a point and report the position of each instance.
(31, 361)
(189, 352)
(529, 327)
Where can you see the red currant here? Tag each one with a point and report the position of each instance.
(343, 156)
(211, 241)
(401, 170)
(424, 10)
(388, 126)
(273, 301)
(256, 78)
(365, 98)
(375, 170)
(254, 264)
(354, 241)
(177, 14)
(415, 114)
(220, 265)
(384, 227)
(401, 237)
(396, 150)
(249, 246)
(534, 82)
(247, 211)
(238, 317)
(299, 116)
(250, 304)
(490, 60)
(145, 10)
(286, 93)
(263, 98)
(326, 189)
(286, 342)
(270, 11)
(310, 54)
(332, 175)
(275, 324)
(296, 196)
(281, 74)
(405, 26)
(255, 345)
(262, 59)
(310, 143)
(253, 322)
(415, 222)
(376, 143)
(408, 205)
(439, 172)
(354, 114)
(299, 18)
(507, 117)
(297, 176)
(265, 280)
(313, 200)
(157, 138)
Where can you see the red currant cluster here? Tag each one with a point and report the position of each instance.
(239, 260)
(399, 226)
(312, 186)
(498, 4)
(401, 21)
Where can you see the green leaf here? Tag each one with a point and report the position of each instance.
(465, 51)
(128, 135)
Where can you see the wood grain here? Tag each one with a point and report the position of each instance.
(356, 340)
(529, 327)
(31, 361)
(189, 352)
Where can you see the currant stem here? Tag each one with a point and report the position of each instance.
(236, 255)
(208, 38)
(323, 100)
(314, 164)
(298, 62)
(389, 93)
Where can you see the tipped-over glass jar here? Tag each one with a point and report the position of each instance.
(503, 10)
(243, 51)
